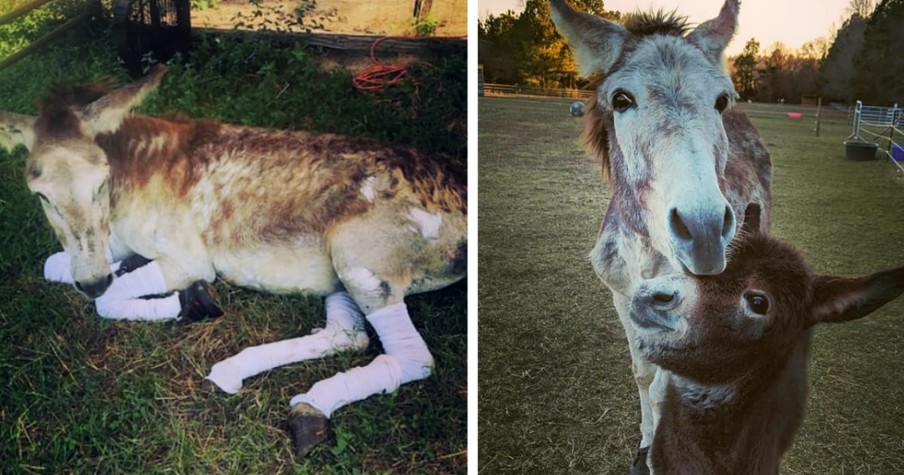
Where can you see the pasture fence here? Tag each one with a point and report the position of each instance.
(92, 8)
(490, 89)
(881, 125)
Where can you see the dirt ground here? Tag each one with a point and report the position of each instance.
(385, 17)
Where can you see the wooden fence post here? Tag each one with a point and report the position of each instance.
(818, 110)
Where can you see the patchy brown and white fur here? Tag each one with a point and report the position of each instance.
(680, 162)
(735, 346)
(271, 210)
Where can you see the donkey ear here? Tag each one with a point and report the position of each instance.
(596, 42)
(16, 129)
(839, 299)
(107, 113)
(712, 36)
(752, 215)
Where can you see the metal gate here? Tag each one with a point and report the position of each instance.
(156, 29)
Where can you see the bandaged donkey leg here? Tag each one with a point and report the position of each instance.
(406, 359)
(58, 268)
(344, 331)
(122, 300)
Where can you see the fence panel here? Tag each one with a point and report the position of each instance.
(887, 123)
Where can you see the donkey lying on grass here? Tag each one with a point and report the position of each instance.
(359, 222)
(735, 348)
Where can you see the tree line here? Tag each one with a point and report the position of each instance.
(862, 60)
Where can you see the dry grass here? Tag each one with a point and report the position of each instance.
(555, 387)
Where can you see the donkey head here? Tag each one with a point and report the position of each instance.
(70, 173)
(716, 329)
(656, 122)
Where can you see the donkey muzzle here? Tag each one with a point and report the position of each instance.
(656, 305)
(700, 238)
(95, 288)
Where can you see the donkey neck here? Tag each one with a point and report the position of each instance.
(743, 426)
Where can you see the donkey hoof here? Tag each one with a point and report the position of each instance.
(640, 462)
(131, 263)
(199, 301)
(308, 427)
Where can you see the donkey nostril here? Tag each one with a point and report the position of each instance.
(678, 227)
(95, 289)
(660, 297)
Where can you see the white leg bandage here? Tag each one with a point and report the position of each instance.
(122, 300)
(58, 268)
(344, 330)
(407, 359)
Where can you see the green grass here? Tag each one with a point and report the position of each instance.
(83, 395)
(555, 389)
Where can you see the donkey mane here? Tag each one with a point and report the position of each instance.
(657, 23)
(596, 134)
(56, 119)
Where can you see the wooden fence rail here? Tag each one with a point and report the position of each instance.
(23, 10)
(506, 90)
(92, 8)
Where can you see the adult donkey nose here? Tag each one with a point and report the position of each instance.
(701, 238)
(96, 288)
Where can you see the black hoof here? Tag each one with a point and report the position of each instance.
(640, 462)
(199, 301)
(308, 427)
(131, 263)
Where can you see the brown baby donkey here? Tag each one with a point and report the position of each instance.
(733, 350)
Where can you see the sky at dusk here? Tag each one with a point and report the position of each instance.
(793, 22)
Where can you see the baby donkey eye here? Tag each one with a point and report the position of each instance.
(758, 302)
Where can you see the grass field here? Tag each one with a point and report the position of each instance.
(555, 389)
(79, 394)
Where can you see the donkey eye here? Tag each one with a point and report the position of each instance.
(758, 303)
(722, 103)
(42, 197)
(100, 189)
(622, 101)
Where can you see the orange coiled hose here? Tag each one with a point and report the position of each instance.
(379, 76)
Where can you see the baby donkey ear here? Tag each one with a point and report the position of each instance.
(752, 214)
(839, 299)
